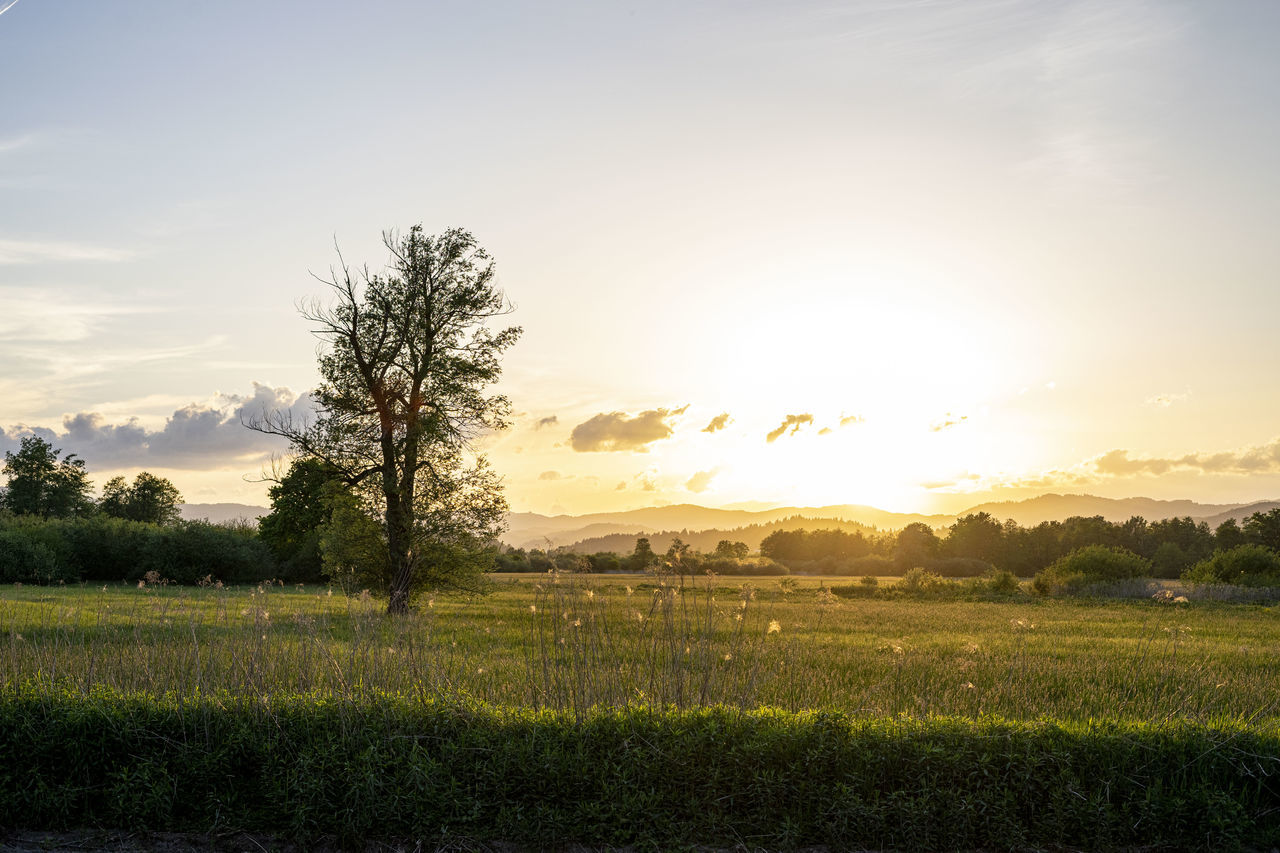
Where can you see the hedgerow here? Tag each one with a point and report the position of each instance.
(307, 768)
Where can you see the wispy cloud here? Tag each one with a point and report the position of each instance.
(549, 420)
(792, 422)
(1164, 401)
(6, 6)
(618, 431)
(718, 423)
(947, 421)
(701, 481)
(1261, 459)
(14, 252)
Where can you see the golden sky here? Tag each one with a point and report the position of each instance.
(938, 252)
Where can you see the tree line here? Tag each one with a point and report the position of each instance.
(977, 542)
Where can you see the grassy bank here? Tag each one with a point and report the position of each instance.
(392, 767)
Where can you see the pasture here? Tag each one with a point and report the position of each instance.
(572, 642)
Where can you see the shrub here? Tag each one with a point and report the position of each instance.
(920, 582)
(1244, 565)
(187, 551)
(24, 559)
(1092, 564)
(960, 567)
(998, 582)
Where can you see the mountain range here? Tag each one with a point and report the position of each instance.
(702, 527)
(693, 524)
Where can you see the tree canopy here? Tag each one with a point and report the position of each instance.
(150, 498)
(407, 357)
(42, 484)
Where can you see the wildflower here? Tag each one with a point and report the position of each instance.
(1181, 599)
(533, 608)
(629, 590)
(968, 685)
(774, 627)
(728, 656)
(577, 623)
(737, 617)
(591, 593)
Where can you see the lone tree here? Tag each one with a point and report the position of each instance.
(152, 499)
(405, 361)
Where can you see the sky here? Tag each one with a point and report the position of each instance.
(910, 254)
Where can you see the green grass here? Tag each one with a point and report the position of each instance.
(579, 710)
(1018, 659)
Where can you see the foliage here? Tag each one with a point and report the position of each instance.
(1092, 564)
(643, 557)
(41, 484)
(1264, 529)
(300, 507)
(150, 499)
(394, 768)
(1245, 565)
(25, 559)
(408, 356)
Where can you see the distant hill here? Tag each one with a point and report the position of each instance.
(698, 525)
(706, 540)
(1052, 507)
(532, 530)
(1241, 513)
(220, 512)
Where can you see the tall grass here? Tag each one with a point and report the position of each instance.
(567, 646)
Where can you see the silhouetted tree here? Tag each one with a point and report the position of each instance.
(151, 499)
(408, 356)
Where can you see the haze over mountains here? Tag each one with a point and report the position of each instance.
(614, 531)
(702, 527)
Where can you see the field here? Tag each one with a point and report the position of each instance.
(575, 641)
(1116, 716)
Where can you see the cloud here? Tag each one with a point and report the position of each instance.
(718, 423)
(617, 431)
(846, 420)
(621, 487)
(947, 421)
(792, 421)
(701, 481)
(553, 475)
(549, 420)
(194, 437)
(1164, 401)
(824, 431)
(36, 251)
(1262, 459)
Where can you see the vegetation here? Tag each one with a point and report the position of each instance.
(41, 484)
(570, 708)
(1244, 565)
(408, 357)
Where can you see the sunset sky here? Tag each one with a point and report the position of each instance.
(908, 254)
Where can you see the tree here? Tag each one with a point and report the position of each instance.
(642, 557)
(301, 504)
(917, 545)
(41, 484)
(1264, 529)
(730, 550)
(977, 536)
(152, 499)
(406, 358)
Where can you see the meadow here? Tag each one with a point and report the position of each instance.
(571, 642)
(969, 719)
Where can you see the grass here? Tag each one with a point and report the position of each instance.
(624, 641)
(562, 710)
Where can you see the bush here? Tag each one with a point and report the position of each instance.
(24, 559)
(998, 582)
(1090, 565)
(187, 551)
(921, 582)
(762, 566)
(1244, 565)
